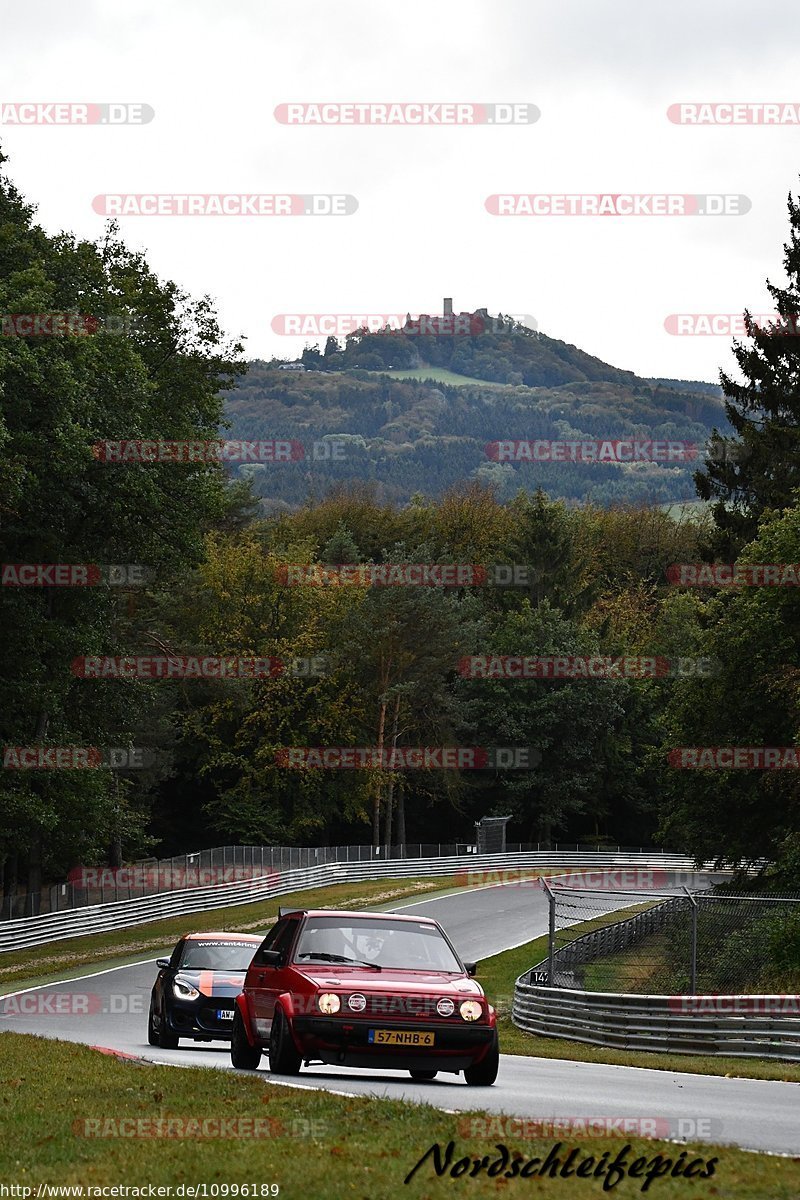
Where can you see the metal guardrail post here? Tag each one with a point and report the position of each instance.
(693, 963)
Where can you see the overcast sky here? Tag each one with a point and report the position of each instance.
(602, 72)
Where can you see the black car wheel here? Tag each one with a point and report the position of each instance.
(243, 1056)
(484, 1073)
(167, 1040)
(423, 1076)
(283, 1056)
(152, 1036)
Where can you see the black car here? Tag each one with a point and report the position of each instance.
(196, 988)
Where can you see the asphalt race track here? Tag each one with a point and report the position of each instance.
(109, 1009)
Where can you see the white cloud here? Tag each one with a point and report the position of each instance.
(602, 71)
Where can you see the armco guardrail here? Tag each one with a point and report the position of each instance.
(22, 933)
(226, 864)
(739, 1026)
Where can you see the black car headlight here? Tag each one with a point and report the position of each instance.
(184, 990)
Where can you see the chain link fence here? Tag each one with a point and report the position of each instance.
(672, 942)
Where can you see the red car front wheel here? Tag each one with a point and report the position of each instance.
(243, 1056)
(484, 1073)
(283, 1056)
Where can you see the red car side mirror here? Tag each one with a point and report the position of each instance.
(268, 958)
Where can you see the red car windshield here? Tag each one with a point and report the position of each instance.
(217, 956)
(404, 945)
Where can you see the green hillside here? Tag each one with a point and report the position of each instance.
(416, 414)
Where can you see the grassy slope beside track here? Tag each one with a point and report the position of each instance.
(317, 1144)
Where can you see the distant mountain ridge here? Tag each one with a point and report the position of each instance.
(408, 435)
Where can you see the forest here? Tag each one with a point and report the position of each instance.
(409, 436)
(189, 564)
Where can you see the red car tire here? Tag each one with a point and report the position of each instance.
(484, 1073)
(243, 1056)
(284, 1058)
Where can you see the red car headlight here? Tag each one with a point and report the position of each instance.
(471, 1010)
(329, 1003)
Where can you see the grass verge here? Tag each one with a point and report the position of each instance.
(438, 375)
(41, 963)
(497, 976)
(310, 1143)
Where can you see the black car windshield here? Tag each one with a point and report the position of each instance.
(217, 956)
(400, 944)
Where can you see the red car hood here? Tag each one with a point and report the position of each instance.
(418, 983)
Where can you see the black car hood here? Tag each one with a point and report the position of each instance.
(214, 983)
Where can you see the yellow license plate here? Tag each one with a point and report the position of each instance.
(397, 1037)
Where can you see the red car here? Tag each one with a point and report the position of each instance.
(357, 989)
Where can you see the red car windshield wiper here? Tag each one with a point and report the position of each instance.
(340, 958)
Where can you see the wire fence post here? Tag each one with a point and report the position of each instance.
(693, 963)
(551, 934)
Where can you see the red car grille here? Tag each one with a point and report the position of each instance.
(394, 1007)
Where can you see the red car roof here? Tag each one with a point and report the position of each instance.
(377, 916)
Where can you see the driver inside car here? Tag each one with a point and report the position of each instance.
(370, 948)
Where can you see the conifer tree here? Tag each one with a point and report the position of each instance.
(760, 469)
